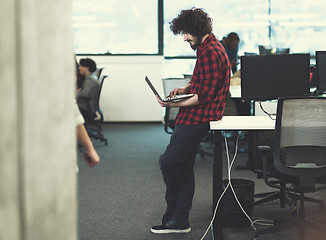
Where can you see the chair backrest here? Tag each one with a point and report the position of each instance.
(98, 73)
(170, 83)
(188, 76)
(300, 139)
(250, 53)
(101, 81)
(282, 51)
(170, 113)
(263, 50)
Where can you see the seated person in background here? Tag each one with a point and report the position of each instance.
(230, 43)
(86, 95)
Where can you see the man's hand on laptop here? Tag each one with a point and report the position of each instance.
(165, 104)
(179, 91)
(191, 101)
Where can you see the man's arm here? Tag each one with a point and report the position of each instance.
(89, 85)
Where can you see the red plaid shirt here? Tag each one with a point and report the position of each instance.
(210, 81)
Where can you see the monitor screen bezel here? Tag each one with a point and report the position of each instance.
(317, 70)
(262, 97)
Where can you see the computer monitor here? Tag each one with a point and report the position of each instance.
(282, 51)
(265, 50)
(249, 53)
(267, 77)
(321, 70)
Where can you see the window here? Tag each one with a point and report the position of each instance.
(296, 24)
(115, 26)
(174, 67)
(228, 16)
(276, 23)
(132, 26)
(299, 25)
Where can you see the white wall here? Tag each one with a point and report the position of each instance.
(125, 95)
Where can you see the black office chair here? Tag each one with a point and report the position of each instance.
(169, 116)
(282, 51)
(299, 156)
(170, 113)
(98, 73)
(94, 125)
(266, 139)
(264, 50)
(250, 53)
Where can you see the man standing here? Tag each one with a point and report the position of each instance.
(86, 95)
(231, 43)
(210, 86)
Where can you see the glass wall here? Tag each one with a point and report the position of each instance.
(299, 25)
(115, 26)
(296, 24)
(228, 16)
(131, 26)
(177, 67)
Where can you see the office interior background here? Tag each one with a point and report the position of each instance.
(130, 39)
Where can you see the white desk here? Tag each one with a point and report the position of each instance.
(243, 123)
(238, 123)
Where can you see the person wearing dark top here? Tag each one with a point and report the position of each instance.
(231, 45)
(86, 95)
(210, 85)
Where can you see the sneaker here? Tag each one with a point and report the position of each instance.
(164, 229)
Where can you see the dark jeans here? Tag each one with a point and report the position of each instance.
(177, 166)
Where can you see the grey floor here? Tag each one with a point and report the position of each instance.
(123, 196)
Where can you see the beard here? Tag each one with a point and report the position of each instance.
(196, 41)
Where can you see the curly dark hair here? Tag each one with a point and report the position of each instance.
(194, 21)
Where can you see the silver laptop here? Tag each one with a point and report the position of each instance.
(168, 99)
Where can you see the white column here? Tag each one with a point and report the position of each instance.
(37, 140)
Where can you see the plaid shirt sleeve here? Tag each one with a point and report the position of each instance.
(210, 81)
(208, 74)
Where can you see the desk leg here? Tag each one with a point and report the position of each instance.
(217, 185)
(252, 150)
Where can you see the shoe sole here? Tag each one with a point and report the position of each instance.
(171, 231)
